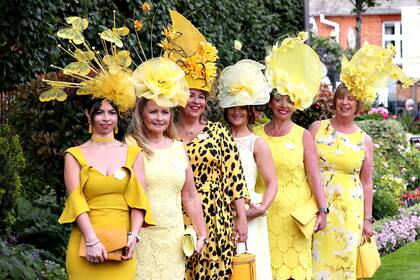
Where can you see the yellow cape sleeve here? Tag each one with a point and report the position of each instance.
(75, 205)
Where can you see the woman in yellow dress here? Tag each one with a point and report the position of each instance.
(169, 177)
(290, 66)
(345, 158)
(106, 203)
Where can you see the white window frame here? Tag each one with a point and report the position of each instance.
(397, 38)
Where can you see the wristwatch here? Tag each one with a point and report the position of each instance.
(204, 239)
(370, 219)
(324, 210)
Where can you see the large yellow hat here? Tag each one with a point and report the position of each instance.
(294, 69)
(369, 71)
(99, 75)
(243, 84)
(185, 45)
(161, 80)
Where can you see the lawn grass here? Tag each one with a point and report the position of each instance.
(402, 264)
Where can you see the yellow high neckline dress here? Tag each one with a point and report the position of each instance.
(290, 251)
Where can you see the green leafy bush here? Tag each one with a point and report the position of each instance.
(23, 261)
(12, 163)
(384, 204)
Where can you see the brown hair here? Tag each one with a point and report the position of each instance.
(140, 132)
(342, 90)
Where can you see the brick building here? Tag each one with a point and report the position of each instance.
(381, 25)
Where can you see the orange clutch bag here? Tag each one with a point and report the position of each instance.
(114, 241)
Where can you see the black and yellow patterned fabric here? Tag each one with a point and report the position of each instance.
(219, 180)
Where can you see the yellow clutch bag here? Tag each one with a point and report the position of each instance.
(244, 267)
(189, 240)
(305, 216)
(114, 241)
(368, 259)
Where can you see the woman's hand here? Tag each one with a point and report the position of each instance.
(96, 253)
(321, 221)
(367, 229)
(131, 245)
(199, 245)
(241, 229)
(255, 210)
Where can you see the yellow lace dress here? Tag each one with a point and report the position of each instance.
(340, 160)
(107, 200)
(289, 249)
(159, 252)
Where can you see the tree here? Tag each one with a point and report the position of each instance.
(360, 7)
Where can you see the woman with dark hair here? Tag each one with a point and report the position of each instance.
(345, 155)
(294, 70)
(169, 177)
(241, 86)
(106, 203)
(213, 155)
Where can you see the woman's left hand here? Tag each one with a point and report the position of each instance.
(321, 221)
(367, 229)
(131, 245)
(199, 245)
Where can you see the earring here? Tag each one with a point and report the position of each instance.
(90, 127)
(116, 130)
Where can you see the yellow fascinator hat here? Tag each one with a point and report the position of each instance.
(294, 69)
(369, 71)
(186, 46)
(243, 84)
(161, 80)
(100, 75)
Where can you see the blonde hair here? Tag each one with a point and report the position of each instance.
(139, 132)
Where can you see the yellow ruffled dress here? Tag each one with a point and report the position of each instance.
(107, 200)
(290, 250)
(340, 160)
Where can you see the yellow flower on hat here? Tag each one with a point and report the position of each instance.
(161, 80)
(243, 84)
(369, 71)
(191, 51)
(294, 69)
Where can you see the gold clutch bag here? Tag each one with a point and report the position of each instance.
(114, 241)
(189, 240)
(305, 216)
(368, 259)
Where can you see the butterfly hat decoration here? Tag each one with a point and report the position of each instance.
(104, 74)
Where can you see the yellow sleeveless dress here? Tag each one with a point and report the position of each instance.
(340, 159)
(107, 200)
(289, 249)
(159, 252)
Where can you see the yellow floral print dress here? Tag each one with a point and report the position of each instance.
(290, 251)
(340, 159)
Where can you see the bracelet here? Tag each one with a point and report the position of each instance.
(135, 234)
(204, 239)
(92, 243)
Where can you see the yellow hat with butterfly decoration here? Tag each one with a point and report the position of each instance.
(100, 75)
(369, 71)
(186, 46)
